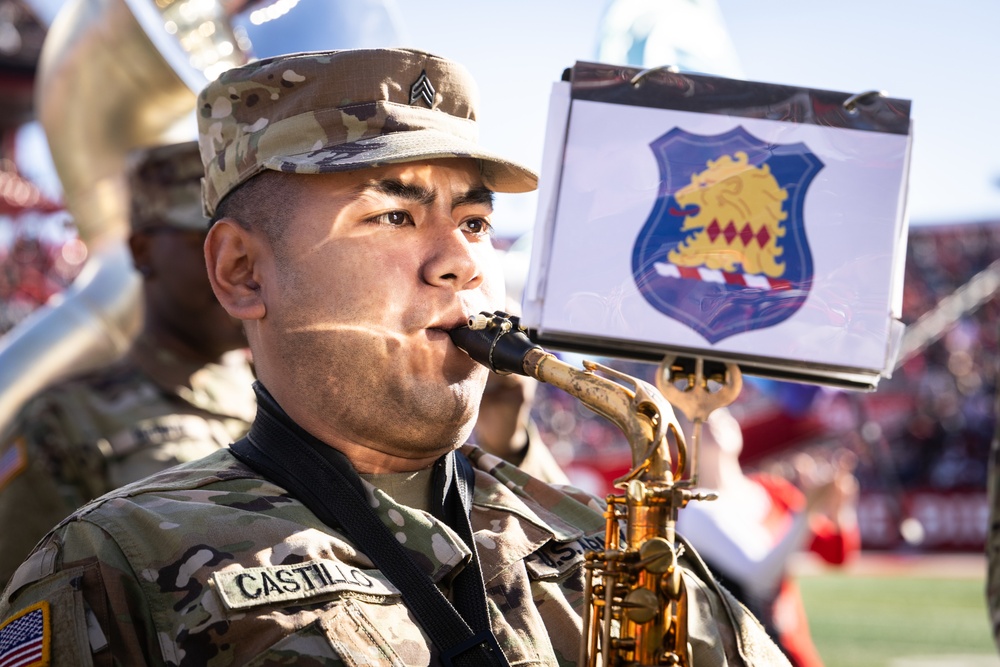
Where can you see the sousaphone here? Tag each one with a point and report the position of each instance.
(114, 75)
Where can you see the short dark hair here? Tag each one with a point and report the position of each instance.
(261, 204)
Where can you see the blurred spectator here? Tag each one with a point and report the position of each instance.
(748, 534)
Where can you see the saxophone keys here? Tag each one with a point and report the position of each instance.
(641, 605)
(671, 583)
(657, 556)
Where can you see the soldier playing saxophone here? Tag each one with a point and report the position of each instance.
(351, 233)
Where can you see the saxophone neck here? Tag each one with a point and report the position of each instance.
(644, 416)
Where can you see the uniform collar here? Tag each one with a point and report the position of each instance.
(513, 516)
(430, 540)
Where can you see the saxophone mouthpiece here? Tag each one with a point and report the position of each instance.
(495, 340)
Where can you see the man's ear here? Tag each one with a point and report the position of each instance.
(232, 256)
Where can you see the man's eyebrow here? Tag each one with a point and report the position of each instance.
(392, 187)
(395, 188)
(477, 195)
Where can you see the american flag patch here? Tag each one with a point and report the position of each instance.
(13, 461)
(24, 639)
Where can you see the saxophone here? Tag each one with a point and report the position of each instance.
(636, 604)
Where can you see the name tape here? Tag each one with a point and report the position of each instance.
(256, 586)
(555, 558)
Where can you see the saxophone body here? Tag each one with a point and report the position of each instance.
(636, 607)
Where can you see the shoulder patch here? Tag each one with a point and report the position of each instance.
(25, 639)
(553, 559)
(258, 586)
(13, 461)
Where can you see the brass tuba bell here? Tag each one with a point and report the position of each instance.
(114, 75)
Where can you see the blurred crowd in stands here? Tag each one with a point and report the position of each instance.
(944, 439)
(39, 257)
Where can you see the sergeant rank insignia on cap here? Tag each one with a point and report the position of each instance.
(25, 639)
(422, 89)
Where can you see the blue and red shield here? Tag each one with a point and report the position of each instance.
(724, 250)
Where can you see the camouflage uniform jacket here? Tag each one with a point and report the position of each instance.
(210, 564)
(95, 433)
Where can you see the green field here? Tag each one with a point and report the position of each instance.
(898, 621)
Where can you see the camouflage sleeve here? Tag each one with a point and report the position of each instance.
(87, 600)
(43, 479)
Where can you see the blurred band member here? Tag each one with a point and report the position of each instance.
(180, 393)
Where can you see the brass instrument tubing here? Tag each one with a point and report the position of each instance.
(609, 596)
(605, 397)
(647, 518)
(588, 582)
(612, 531)
(593, 634)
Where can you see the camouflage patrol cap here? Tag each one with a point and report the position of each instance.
(165, 184)
(333, 111)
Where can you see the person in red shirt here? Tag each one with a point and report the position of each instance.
(748, 534)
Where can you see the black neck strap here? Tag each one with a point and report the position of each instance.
(324, 480)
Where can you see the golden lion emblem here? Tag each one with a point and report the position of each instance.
(739, 221)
